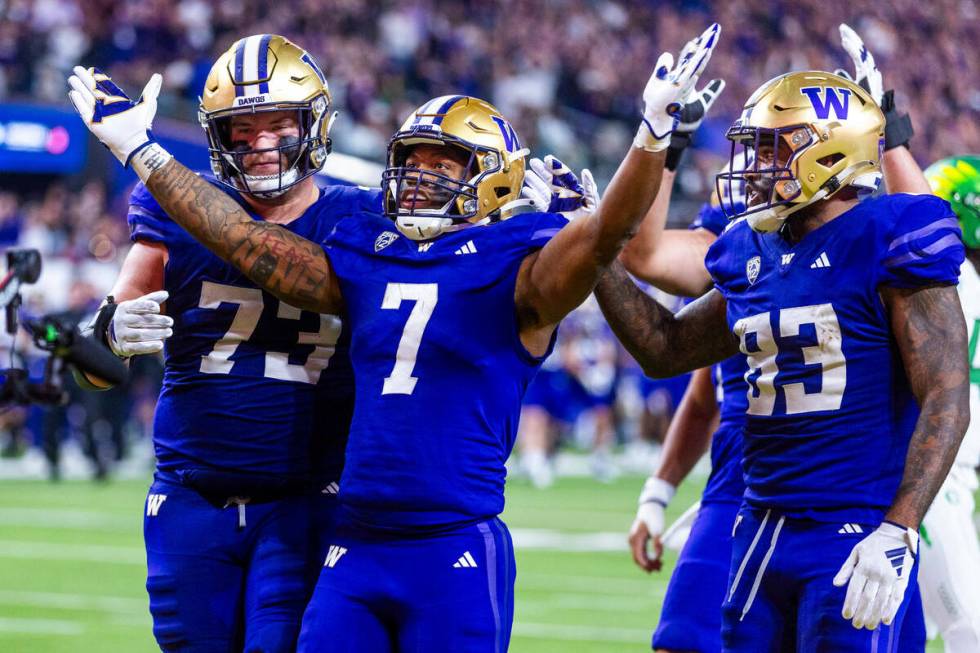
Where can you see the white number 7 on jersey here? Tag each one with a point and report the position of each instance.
(425, 296)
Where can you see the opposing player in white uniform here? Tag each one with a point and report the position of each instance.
(950, 553)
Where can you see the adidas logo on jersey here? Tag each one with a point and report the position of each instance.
(821, 262)
(153, 503)
(468, 248)
(333, 488)
(465, 561)
(848, 529)
(334, 554)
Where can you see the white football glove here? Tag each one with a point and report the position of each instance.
(649, 523)
(866, 73)
(669, 87)
(137, 327)
(564, 192)
(121, 124)
(878, 568)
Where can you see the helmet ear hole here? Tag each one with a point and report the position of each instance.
(501, 191)
(830, 160)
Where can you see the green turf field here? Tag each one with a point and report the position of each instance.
(72, 568)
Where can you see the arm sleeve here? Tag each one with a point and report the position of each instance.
(923, 245)
(543, 228)
(711, 218)
(146, 219)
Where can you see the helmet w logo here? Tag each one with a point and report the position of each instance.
(507, 131)
(834, 98)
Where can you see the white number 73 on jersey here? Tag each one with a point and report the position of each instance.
(827, 353)
(277, 365)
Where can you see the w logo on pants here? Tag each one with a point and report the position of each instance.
(153, 503)
(334, 553)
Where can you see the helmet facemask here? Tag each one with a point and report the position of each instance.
(298, 157)
(761, 166)
(426, 203)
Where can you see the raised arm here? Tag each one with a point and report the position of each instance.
(686, 441)
(560, 276)
(902, 174)
(665, 344)
(292, 268)
(930, 332)
(673, 259)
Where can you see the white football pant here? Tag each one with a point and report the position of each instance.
(949, 563)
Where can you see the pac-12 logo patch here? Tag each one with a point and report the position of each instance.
(386, 238)
(752, 267)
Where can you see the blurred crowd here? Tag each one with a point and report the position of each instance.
(567, 72)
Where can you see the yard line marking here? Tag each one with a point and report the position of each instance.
(86, 602)
(69, 519)
(40, 626)
(617, 603)
(585, 584)
(534, 630)
(28, 550)
(544, 538)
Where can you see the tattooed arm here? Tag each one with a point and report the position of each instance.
(290, 267)
(662, 343)
(930, 331)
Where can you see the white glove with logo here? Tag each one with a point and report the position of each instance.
(669, 87)
(121, 124)
(565, 194)
(137, 327)
(866, 73)
(649, 523)
(878, 568)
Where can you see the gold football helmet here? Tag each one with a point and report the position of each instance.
(494, 170)
(801, 138)
(259, 73)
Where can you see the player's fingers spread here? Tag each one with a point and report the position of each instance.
(846, 569)
(152, 88)
(138, 348)
(663, 66)
(158, 296)
(864, 612)
(540, 169)
(148, 335)
(853, 597)
(155, 321)
(83, 108)
(78, 85)
(86, 76)
(878, 607)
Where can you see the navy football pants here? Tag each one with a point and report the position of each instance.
(780, 596)
(451, 591)
(218, 587)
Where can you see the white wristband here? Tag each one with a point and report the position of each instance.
(657, 490)
(149, 159)
(645, 140)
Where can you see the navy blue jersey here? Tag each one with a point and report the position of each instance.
(712, 218)
(830, 411)
(248, 379)
(439, 366)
